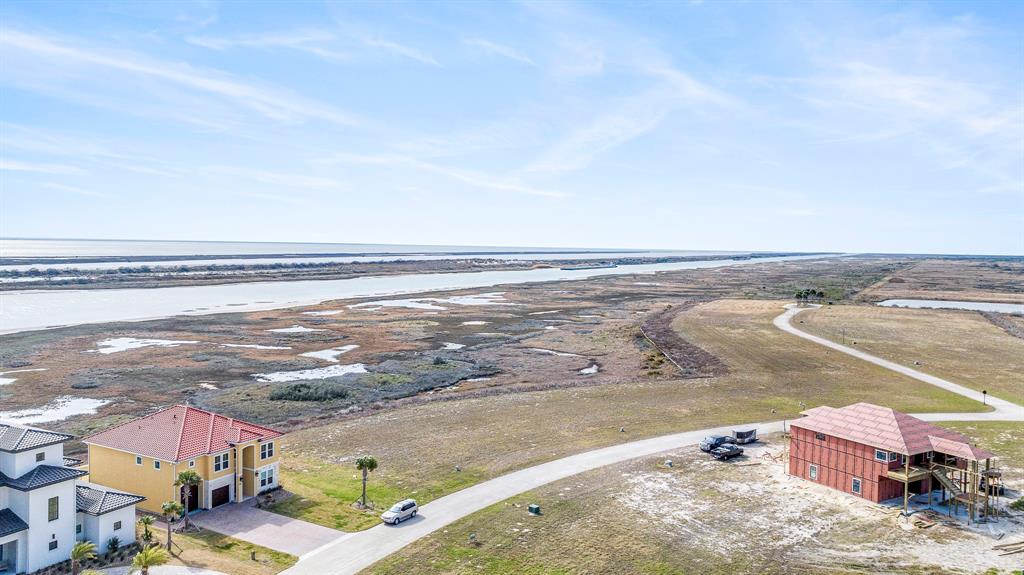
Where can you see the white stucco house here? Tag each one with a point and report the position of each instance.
(44, 507)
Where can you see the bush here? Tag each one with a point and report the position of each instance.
(1018, 505)
(113, 544)
(309, 391)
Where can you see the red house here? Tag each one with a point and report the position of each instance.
(878, 453)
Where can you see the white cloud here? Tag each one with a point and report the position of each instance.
(279, 179)
(471, 178)
(265, 100)
(38, 168)
(308, 41)
(401, 50)
(499, 49)
(75, 190)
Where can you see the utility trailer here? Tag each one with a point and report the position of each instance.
(744, 436)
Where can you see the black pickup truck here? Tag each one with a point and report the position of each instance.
(726, 451)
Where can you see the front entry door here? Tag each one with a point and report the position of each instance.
(193, 497)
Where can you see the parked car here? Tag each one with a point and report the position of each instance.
(400, 511)
(726, 451)
(712, 441)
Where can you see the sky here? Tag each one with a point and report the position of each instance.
(861, 127)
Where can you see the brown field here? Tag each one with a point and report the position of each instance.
(420, 446)
(995, 279)
(961, 346)
(699, 516)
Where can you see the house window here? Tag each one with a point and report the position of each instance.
(53, 545)
(881, 455)
(41, 456)
(856, 487)
(78, 529)
(267, 450)
(156, 464)
(267, 477)
(53, 508)
(192, 463)
(138, 460)
(220, 462)
(893, 456)
(812, 472)
(117, 525)
(819, 436)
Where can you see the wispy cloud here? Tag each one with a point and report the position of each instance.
(265, 100)
(308, 41)
(37, 168)
(469, 177)
(75, 190)
(279, 179)
(401, 50)
(500, 50)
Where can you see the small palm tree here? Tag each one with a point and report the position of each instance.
(146, 521)
(172, 510)
(366, 464)
(187, 479)
(149, 557)
(82, 551)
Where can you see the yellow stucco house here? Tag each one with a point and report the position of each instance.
(235, 459)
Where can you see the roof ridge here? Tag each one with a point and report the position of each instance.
(181, 433)
(209, 432)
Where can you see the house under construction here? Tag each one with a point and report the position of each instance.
(879, 453)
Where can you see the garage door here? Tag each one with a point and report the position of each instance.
(219, 496)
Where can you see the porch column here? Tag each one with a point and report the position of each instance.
(906, 484)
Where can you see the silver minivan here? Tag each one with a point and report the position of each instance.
(400, 511)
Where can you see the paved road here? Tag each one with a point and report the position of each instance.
(353, 552)
(1002, 410)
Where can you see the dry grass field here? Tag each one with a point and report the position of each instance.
(698, 516)
(419, 447)
(963, 347)
(998, 280)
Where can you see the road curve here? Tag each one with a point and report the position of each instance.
(353, 552)
(1002, 410)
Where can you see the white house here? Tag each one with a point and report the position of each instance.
(44, 510)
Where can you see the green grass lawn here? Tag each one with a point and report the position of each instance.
(210, 550)
(1004, 438)
(325, 494)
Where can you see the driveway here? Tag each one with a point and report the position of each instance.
(353, 552)
(243, 521)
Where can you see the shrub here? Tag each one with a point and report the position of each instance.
(1018, 505)
(309, 391)
(113, 544)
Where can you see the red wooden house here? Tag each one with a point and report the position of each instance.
(878, 453)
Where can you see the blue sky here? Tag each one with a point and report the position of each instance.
(767, 126)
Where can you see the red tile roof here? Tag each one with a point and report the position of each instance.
(180, 432)
(888, 429)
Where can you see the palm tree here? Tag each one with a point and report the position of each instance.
(149, 557)
(82, 551)
(187, 479)
(366, 464)
(171, 509)
(146, 521)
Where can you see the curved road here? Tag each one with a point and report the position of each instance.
(353, 552)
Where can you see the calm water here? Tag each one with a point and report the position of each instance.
(967, 305)
(128, 252)
(28, 310)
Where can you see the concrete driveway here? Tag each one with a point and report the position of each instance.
(243, 521)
